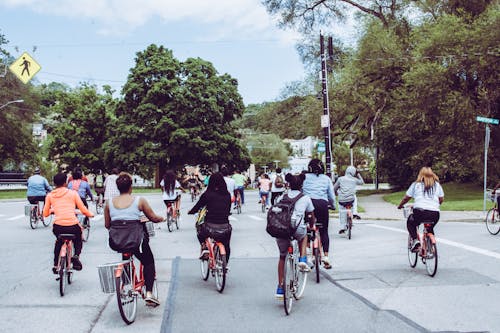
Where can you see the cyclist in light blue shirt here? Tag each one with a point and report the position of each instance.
(38, 187)
(319, 188)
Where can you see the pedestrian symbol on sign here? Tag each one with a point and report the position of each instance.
(25, 67)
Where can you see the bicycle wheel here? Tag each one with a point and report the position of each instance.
(170, 222)
(238, 208)
(288, 281)
(220, 269)
(431, 257)
(33, 217)
(46, 220)
(301, 280)
(349, 226)
(412, 256)
(263, 207)
(86, 232)
(126, 297)
(62, 280)
(99, 209)
(204, 269)
(317, 262)
(493, 221)
(177, 222)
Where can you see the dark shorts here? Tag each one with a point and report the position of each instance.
(35, 199)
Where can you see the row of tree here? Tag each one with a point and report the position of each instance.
(169, 114)
(412, 86)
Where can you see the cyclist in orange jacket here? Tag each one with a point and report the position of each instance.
(62, 202)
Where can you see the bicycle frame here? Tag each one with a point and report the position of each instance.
(349, 216)
(423, 237)
(128, 266)
(210, 242)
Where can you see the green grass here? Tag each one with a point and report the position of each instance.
(20, 194)
(457, 197)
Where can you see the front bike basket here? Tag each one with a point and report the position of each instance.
(107, 276)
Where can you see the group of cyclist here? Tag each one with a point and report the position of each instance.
(317, 190)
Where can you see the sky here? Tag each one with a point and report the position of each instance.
(96, 41)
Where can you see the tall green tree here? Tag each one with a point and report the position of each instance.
(175, 113)
(77, 121)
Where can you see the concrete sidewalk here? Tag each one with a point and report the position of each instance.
(376, 208)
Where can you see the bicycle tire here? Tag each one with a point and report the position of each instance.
(493, 221)
(204, 269)
(169, 223)
(317, 263)
(301, 283)
(86, 232)
(125, 295)
(288, 281)
(412, 256)
(33, 217)
(263, 207)
(238, 209)
(349, 226)
(62, 278)
(99, 209)
(46, 221)
(431, 258)
(220, 269)
(177, 222)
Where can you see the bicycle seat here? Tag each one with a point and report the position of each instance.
(66, 236)
(347, 205)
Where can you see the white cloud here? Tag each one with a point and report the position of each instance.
(246, 18)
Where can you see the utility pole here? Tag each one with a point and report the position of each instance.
(325, 118)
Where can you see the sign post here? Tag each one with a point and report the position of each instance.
(487, 121)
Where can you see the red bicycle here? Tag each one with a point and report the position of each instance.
(172, 215)
(216, 261)
(315, 246)
(64, 265)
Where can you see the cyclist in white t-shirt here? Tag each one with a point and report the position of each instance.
(171, 189)
(278, 185)
(428, 195)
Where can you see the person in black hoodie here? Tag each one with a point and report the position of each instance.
(217, 200)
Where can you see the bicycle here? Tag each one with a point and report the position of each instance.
(216, 261)
(85, 224)
(348, 215)
(314, 240)
(294, 280)
(492, 219)
(172, 215)
(99, 203)
(64, 265)
(35, 215)
(122, 278)
(428, 249)
(193, 193)
(263, 200)
(238, 201)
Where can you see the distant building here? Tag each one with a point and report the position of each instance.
(302, 148)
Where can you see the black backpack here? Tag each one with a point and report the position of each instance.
(279, 217)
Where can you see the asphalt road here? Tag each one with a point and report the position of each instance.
(371, 287)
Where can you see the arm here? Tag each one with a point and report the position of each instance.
(107, 217)
(48, 188)
(89, 192)
(200, 204)
(405, 199)
(150, 214)
(331, 194)
(46, 207)
(360, 180)
(81, 206)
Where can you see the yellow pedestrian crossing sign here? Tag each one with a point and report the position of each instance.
(25, 67)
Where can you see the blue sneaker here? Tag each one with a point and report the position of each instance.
(279, 293)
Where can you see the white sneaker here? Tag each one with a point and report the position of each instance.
(326, 262)
(304, 267)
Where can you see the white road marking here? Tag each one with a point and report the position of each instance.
(17, 217)
(257, 218)
(447, 242)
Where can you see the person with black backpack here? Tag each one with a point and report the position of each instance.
(300, 206)
(278, 185)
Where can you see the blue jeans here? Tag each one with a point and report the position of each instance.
(266, 193)
(242, 193)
